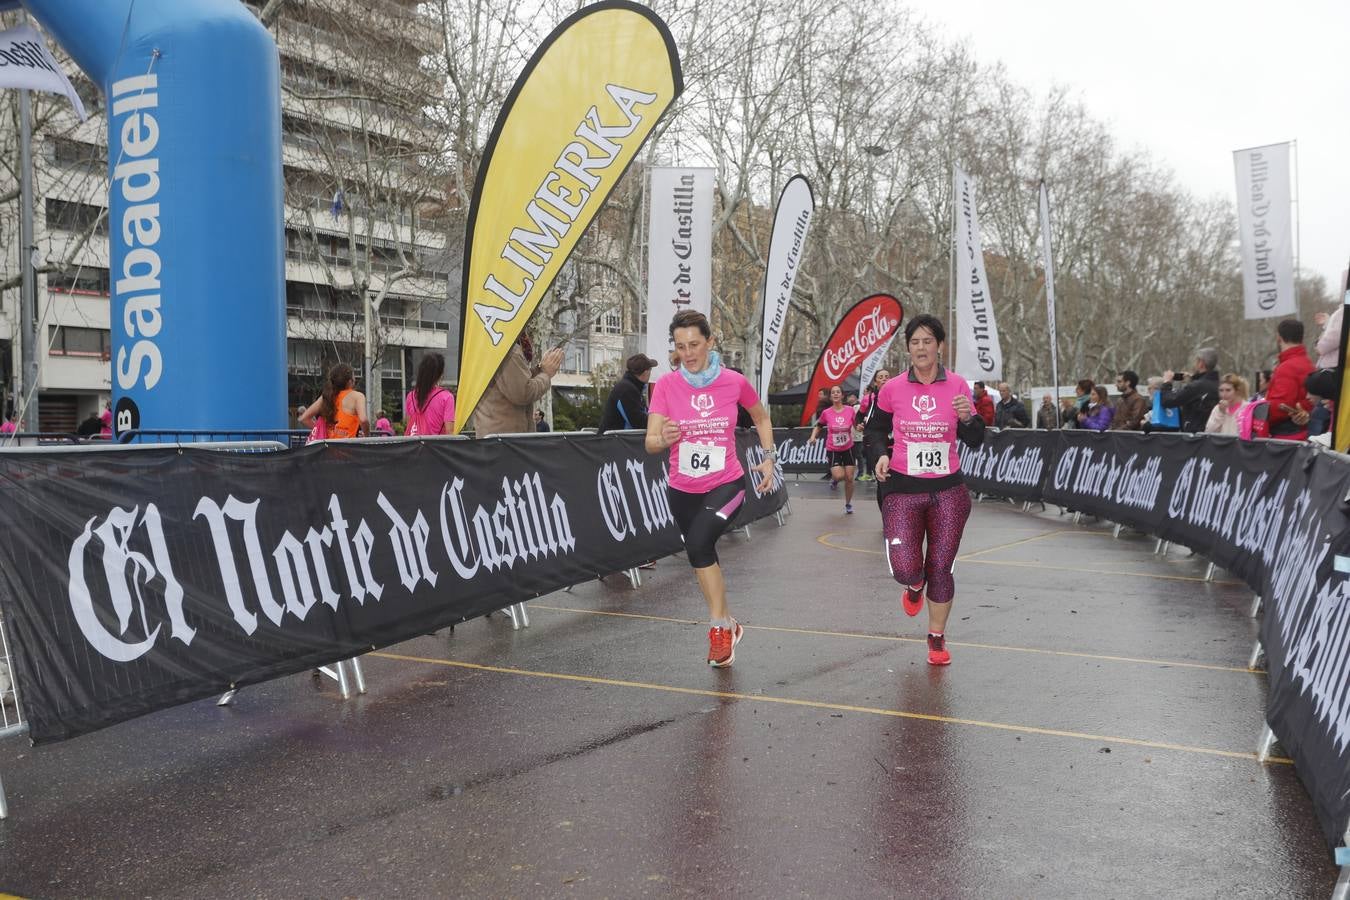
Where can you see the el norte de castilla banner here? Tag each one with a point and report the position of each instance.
(135, 579)
(572, 124)
(787, 246)
(979, 355)
(679, 253)
(1265, 227)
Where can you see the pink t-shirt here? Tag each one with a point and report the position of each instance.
(8, 427)
(432, 420)
(705, 455)
(924, 423)
(838, 428)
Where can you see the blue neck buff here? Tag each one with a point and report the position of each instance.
(707, 375)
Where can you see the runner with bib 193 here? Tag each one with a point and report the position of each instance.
(693, 416)
(919, 484)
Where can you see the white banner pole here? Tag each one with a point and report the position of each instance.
(1050, 289)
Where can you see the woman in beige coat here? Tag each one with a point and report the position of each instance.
(507, 406)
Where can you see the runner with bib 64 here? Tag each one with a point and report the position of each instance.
(693, 416)
(919, 484)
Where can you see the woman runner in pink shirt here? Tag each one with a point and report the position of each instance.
(693, 415)
(838, 422)
(919, 484)
(429, 409)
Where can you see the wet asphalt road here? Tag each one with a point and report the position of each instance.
(1093, 737)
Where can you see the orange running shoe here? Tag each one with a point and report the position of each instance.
(722, 644)
(912, 601)
(937, 651)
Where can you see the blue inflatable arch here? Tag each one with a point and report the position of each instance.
(198, 311)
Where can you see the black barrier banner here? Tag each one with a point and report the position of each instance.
(1274, 513)
(133, 580)
(796, 453)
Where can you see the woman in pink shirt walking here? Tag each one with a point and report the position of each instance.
(429, 409)
(693, 416)
(919, 486)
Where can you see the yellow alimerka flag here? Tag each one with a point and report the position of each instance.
(575, 119)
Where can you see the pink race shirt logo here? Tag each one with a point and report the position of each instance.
(925, 405)
(702, 404)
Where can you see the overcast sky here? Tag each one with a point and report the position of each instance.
(1191, 81)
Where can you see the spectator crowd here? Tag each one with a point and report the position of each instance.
(1293, 401)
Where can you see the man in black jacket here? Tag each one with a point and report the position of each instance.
(1197, 397)
(626, 406)
(1009, 412)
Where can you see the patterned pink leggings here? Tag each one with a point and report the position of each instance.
(906, 518)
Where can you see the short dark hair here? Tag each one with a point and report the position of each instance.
(1290, 331)
(639, 363)
(1131, 378)
(1086, 385)
(932, 323)
(979, 384)
(691, 318)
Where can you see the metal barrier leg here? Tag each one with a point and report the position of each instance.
(1342, 889)
(4, 805)
(634, 578)
(511, 612)
(746, 529)
(358, 675)
(1209, 572)
(1116, 533)
(1256, 606)
(1340, 892)
(1255, 658)
(1267, 741)
(782, 520)
(227, 698)
(343, 687)
(524, 615)
(1077, 517)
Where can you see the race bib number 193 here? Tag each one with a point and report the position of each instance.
(697, 460)
(929, 459)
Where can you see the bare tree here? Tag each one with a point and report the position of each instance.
(366, 175)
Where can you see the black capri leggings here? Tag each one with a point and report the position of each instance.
(704, 517)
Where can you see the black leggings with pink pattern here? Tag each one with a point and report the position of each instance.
(941, 516)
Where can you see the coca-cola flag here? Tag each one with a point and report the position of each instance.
(865, 327)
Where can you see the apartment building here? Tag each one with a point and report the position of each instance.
(365, 215)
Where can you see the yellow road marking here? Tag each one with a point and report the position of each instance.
(1036, 537)
(1034, 565)
(911, 640)
(824, 540)
(838, 707)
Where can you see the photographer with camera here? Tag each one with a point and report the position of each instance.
(1194, 400)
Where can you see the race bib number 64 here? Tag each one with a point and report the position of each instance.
(929, 458)
(697, 460)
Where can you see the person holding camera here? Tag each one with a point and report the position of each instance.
(1196, 399)
(507, 405)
